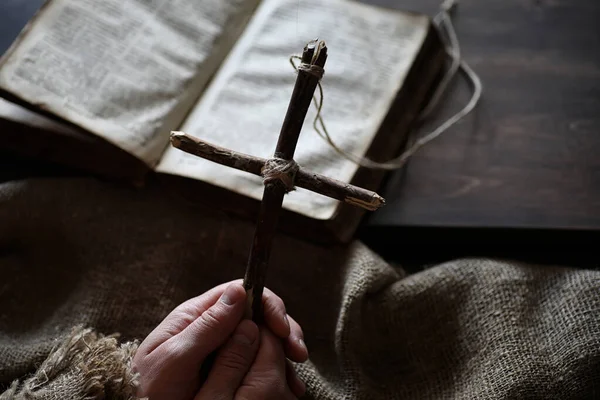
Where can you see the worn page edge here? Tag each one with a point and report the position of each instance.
(368, 140)
(187, 102)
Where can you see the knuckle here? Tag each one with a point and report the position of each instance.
(174, 349)
(153, 368)
(263, 387)
(273, 299)
(236, 358)
(270, 293)
(210, 319)
(275, 307)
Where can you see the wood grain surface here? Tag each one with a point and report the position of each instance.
(528, 156)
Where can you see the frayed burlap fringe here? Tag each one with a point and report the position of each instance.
(86, 365)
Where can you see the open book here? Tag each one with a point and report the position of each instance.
(128, 72)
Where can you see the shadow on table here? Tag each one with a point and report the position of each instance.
(415, 247)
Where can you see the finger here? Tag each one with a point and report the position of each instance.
(195, 306)
(182, 316)
(275, 314)
(212, 328)
(283, 325)
(294, 346)
(296, 385)
(290, 330)
(270, 353)
(267, 376)
(232, 363)
(273, 306)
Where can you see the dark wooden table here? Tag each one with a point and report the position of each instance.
(528, 156)
(520, 176)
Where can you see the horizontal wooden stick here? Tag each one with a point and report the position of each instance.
(323, 185)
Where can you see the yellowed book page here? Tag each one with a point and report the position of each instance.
(126, 70)
(370, 52)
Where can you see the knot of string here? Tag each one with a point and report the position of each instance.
(444, 23)
(280, 171)
(312, 69)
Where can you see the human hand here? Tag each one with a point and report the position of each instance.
(170, 358)
(238, 375)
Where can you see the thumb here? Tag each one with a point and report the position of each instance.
(212, 328)
(232, 364)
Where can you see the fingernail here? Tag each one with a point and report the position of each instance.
(246, 333)
(232, 295)
(286, 322)
(303, 345)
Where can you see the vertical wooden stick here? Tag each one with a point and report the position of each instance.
(315, 53)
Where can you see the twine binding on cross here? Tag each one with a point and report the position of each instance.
(280, 171)
(312, 69)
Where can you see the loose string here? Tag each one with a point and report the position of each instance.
(443, 21)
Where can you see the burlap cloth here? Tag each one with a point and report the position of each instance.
(77, 251)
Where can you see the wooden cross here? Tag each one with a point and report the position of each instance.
(280, 173)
